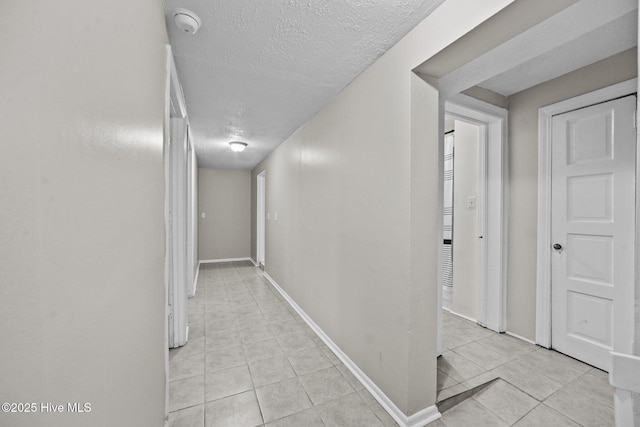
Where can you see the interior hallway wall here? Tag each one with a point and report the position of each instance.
(82, 231)
(224, 198)
(355, 191)
(523, 176)
(465, 219)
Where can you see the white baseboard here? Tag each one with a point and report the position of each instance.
(253, 261)
(470, 319)
(521, 338)
(212, 261)
(419, 419)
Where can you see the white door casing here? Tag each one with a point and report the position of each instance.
(176, 195)
(191, 218)
(178, 290)
(492, 205)
(260, 218)
(592, 223)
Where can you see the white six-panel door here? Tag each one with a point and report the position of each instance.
(592, 225)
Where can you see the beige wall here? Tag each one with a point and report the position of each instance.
(465, 219)
(82, 246)
(224, 197)
(355, 190)
(523, 176)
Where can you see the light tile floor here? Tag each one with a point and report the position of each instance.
(252, 361)
(534, 386)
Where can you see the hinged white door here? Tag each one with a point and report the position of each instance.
(592, 229)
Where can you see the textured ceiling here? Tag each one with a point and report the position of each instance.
(257, 70)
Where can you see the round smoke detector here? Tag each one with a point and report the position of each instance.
(186, 20)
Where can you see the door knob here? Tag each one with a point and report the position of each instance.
(557, 246)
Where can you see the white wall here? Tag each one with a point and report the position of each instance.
(523, 176)
(225, 198)
(82, 243)
(465, 219)
(355, 190)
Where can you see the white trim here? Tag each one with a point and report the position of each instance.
(419, 419)
(623, 404)
(470, 319)
(195, 280)
(261, 218)
(481, 106)
(253, 261)
(623, 376)
(176, 93)
(481, 226)
(175, 154)
(167, 210)
(213, 261)
(520, 337)
(180, 279)
(190, 218)
(624, 372)
(493, 213)
(543, 270)
(440, 226)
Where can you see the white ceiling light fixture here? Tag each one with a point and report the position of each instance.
(238, 146)
(186, 20)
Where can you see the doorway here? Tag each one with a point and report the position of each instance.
(462, 243)
(587, 182)
(487, 234)
(261, 219)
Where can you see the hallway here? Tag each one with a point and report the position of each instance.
(252, 361)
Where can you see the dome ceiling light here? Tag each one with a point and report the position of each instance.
(238, 146)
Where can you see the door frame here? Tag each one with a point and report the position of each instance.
(167, 222)
(492, 209)
(261, 202)
(178, 289)
(176, 199)
(622, 344)
(191, 218)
